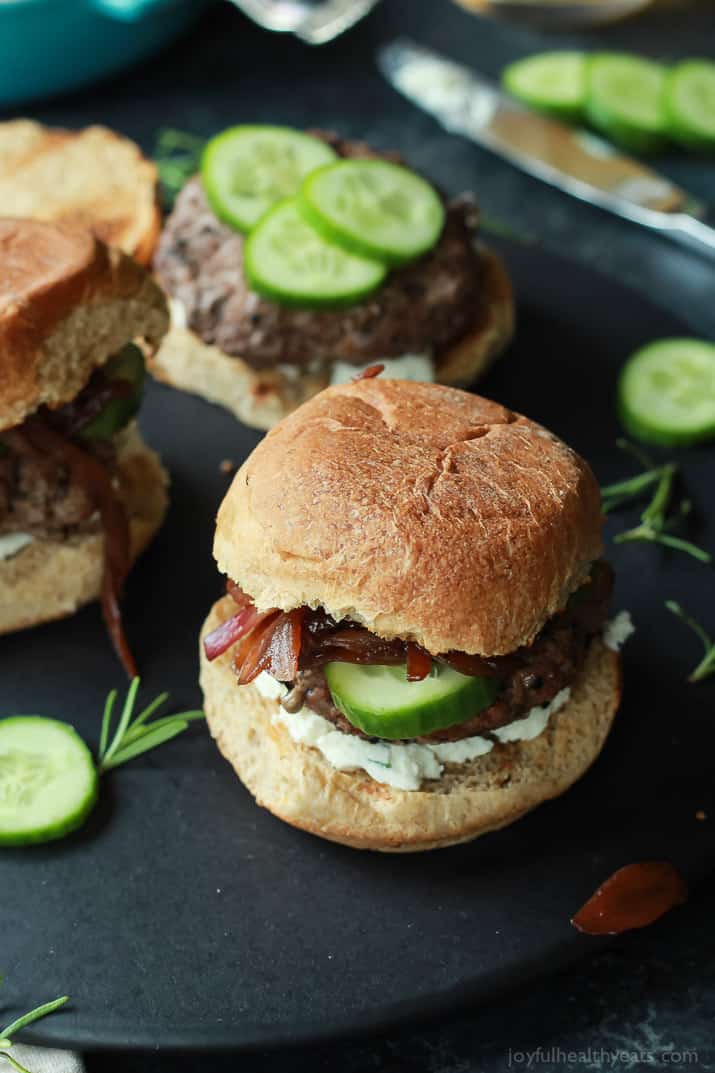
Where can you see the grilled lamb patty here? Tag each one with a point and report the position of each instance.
(38, 494)
(425, 306)
(544, 668)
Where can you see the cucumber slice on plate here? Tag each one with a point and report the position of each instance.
(625, 98)
(666, 392)
(374, 208)
(48, 780)
(247, 169)
(287, 260)
(551, 82)
(381, 702)
(690, 104)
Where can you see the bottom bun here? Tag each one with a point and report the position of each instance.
(260, 398)
(50, 579)
(298, 785)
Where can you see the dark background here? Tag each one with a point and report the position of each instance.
(652, 991)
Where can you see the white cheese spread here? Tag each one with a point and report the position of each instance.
(405, 766)
(406, 367)
(618, 630)
(13, 543)
(401, 766)
(177, 310)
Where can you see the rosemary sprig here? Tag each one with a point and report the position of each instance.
(134, 736)
(706, 666)
(9, 1031)
(658, 519)
(177, 155)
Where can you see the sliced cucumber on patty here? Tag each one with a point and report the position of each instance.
(288, 261)
(374, 209)
(127, 365)
(48, 780)
(247, 169)
(382, 703)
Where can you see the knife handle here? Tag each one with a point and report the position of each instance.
(689, 231)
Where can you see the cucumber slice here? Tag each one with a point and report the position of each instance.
(127, 365)
(48, 780)
(666, 392)
(690, 104)
(374, 208)
(381, 702)
(245, 170)
(288, 261)
(551, 82)
(625, 98)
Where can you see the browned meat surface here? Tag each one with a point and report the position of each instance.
(427, 305)
(534, 675)
(39, 494)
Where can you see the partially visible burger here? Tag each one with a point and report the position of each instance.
(413, 649)
(80, 493)
(446, 316)
(92, 178)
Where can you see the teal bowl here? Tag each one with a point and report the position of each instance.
(52, 46)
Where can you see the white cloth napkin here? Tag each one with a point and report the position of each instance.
(44, 1060)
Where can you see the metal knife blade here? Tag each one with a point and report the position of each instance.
(573, 160)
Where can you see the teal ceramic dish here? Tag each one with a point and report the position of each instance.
(52, 46)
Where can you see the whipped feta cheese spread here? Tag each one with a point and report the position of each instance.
(13, 543)
(618, 630)
(401, 766)
(405, 766)
(406, 367)
(177, 310)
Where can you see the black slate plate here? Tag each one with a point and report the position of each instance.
(184, 916)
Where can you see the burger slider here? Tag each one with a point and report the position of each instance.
(293, 260)
(80, 493)
(413, 649)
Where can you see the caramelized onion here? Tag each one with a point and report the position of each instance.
(96, 480)
(237, 594)
(252, 653)
(240, 624)
(419, 663)
(369, 373)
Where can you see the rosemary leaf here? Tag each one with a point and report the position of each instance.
(14, 1063)
(135, 735)
(106, 721)
(706, 666)
(33, 1015)
(122, 725)
(149, 740)
(136, 732)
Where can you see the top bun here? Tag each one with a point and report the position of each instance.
(421, 511)
(67, 303)
(91, 178)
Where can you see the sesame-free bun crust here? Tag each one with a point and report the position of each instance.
(260, 398)
(298, 785)
(91, 178)
(51, 579)
(421, 511)
(67, 303)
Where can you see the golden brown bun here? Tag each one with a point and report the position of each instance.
(52, 579)
(67, 303)
(419, 510)
(297, 784)
(92, 178)
(261, 398)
